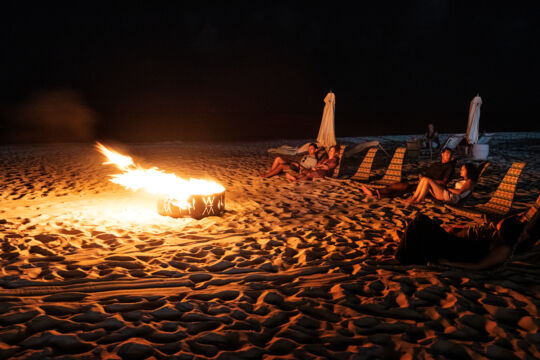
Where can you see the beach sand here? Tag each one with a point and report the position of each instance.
(90, 270)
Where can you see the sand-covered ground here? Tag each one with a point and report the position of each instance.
(90, 270)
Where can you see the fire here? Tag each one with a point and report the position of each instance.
(155, 181)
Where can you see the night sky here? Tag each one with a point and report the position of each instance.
(151, 71)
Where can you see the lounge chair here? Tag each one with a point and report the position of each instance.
(500, 202)
(393, 173)
(340, 158)
(483, 169)
(532, 211)
(364, 170)
(453, 141)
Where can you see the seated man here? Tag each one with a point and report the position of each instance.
(441, 173)
(280, 165)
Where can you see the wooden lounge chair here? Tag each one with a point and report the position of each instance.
(532, 210)
(393, 173)
(340, 158)
(501, 201)
(364, 170)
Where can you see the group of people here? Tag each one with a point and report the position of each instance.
(424, 240)
(315, 164)
(434, 181)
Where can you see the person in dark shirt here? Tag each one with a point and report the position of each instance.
(441, 173)
(431, 138)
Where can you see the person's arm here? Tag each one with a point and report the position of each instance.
(465, 187)
(323, 165)
(442, 182)
(457, 230)
(495, 257)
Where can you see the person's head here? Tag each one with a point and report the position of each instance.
(509, 229)
(468, 171)
(446, 155)
(332, 151)
(312, 149)
(431, 128)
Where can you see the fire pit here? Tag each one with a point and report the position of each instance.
(196, 206)
(177, 197)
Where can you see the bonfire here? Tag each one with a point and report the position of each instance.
(176, 197)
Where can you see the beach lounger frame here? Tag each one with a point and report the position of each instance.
(394, 170)
(500, 202)
(340, 159)
(364, 170)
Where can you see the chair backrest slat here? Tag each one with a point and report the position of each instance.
(501, 200)
(393, 173)
(340, 157)
(364, 170)
(532, 211)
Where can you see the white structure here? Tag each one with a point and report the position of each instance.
(327, 135)
(474, 120)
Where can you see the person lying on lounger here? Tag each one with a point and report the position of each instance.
(281, 165)
(441, 173)
(449, 195)
(425, 241)
(323, 168)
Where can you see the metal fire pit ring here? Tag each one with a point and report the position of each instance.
(200, 206)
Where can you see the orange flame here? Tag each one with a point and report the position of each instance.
(156, 181)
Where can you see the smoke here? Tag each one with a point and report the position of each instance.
(55, 116)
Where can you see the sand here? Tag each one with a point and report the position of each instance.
(90, 270)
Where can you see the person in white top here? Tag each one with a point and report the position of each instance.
(281, 165)
(454, 195)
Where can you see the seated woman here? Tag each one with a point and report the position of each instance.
(425, 241)
(323, 168)
(461, 190)
(280, 165)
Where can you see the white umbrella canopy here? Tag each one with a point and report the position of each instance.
(474, 120)
(327, 135)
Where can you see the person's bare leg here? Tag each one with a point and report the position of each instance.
(277, 161)
(421, 188)
(366, 190)
(290, 178)
(393, 190)
(276, 171)
(428, 185)
(436, 189)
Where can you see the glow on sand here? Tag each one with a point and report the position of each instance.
(155, 181)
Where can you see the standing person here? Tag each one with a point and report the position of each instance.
(323, 168)
(280, 165)
(441, 173)
(449, 195)
(431, 138)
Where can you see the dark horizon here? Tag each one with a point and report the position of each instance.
(212, 73)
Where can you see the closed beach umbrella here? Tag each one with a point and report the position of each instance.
(474, 120)
(327, 135)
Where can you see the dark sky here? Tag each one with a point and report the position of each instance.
(146, 71)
